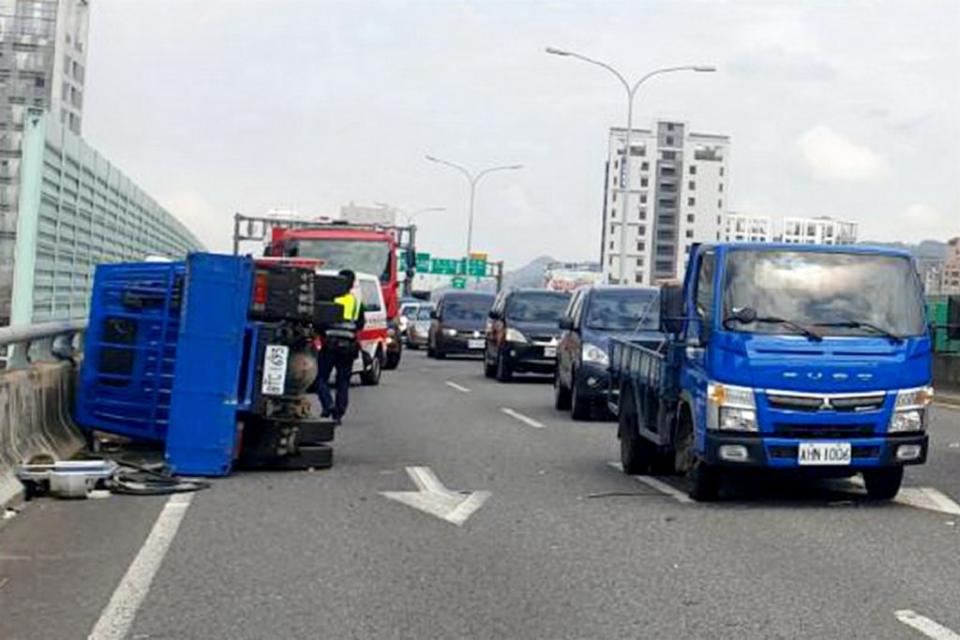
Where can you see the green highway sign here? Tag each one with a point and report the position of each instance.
(423, 262)
(445, 266)
(459, 282)
(477, 267)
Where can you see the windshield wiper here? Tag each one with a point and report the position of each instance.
(748, 315)
(858, 324)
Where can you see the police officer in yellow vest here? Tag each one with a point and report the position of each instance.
(340, 347)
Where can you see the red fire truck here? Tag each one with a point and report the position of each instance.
(364, 248)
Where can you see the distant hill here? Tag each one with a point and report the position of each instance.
(929, 249)
(529, 275)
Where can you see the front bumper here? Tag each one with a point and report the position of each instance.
(593, 382)
(460, 343)
(530, 358)
(773, 452)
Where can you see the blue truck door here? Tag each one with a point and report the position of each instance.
(700, 311)
(203, 415)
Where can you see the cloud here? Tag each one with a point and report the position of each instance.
(211, 225)
(831, 156)
(920, 221)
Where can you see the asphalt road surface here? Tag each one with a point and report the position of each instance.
(563, 545)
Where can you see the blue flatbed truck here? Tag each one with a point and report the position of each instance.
(802, 358)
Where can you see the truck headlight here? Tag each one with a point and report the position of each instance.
(449, 332)
(731, 408)
(515, 336)
(595, 355)
(910, 410)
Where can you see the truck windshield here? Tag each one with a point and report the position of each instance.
(837, 293)
(365, 256)
(624, 311)
(473, 308)
(537, 307)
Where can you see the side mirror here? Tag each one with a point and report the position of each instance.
(434, 315)
(566, 324)
(671, 308)
(493, 315)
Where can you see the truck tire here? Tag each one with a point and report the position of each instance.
(883, 484)
(371, 377)
(636, 454)
(308, 457)
(561, 395)
(319, 431)
(580, 409)
(393, 359)
(704, 482)
(504, 370)
(489, 370)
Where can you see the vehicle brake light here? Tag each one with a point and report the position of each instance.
(260, 291)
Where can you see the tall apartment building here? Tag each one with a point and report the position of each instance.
(821, 230)
(950, 274)
(742, 227)
(43, 52)
(678, 190)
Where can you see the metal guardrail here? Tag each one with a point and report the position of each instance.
(39, 342)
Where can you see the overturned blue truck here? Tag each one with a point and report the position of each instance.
(212, 357)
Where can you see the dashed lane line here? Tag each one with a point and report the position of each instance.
(926, 626)
(458, 387)
(522, 418)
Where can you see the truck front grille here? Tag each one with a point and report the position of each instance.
(840, 403)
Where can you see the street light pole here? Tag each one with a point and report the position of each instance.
(473, 179)
(626, 183)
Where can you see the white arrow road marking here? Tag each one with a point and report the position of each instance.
(659, 485)
(522, 418)
(434, 498)
(454, 385)
(927, 498)
(926, 626)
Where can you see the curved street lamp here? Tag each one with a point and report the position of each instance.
(631, 90)
(473, 179)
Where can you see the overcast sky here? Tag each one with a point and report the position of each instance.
(849, 109)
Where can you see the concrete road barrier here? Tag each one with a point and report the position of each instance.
(35, 419)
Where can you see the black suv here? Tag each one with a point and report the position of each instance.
(458, 323)
(523, 332)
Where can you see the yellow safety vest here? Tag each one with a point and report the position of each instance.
(351, 307)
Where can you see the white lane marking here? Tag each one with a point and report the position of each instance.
(659, 485)
(522, 418)
(434, 498)
(926, 626)
(117, 617)
(454, 385)
(927, 498)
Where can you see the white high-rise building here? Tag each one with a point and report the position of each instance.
(678, 194)
(820, 230)
(43, 56)
(742, 227)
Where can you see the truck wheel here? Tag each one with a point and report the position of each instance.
(489, 370)
(704, 482)
(883, 484)
(636, 454)
(439, 355)
(393, 359)
(371, 377)
(504, 370)
(318, 456)
(561, 395)
(579, 408)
